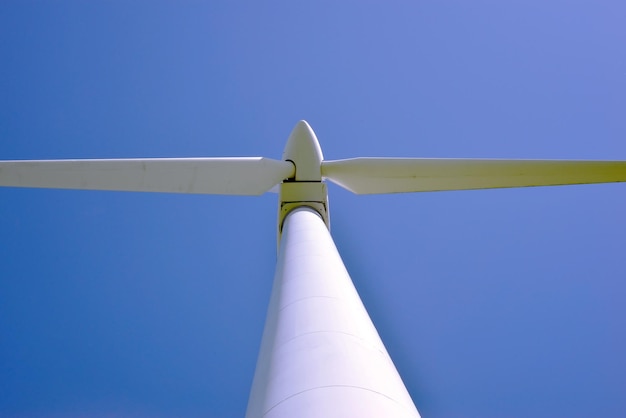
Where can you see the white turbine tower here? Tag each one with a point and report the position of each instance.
(321, 355)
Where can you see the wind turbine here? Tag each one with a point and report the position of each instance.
(320, 356)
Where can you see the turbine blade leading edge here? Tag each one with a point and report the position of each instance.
(401, 175)
(229, 176)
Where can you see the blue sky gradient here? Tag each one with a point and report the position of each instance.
(495, 303)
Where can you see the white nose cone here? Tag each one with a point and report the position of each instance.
(304, 151)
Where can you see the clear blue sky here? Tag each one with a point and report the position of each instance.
(501, 303)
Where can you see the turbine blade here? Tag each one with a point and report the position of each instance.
(231, 176)
(401, 175)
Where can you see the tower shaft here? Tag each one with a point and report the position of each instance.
(321, 355)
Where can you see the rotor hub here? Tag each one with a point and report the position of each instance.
(306, 188)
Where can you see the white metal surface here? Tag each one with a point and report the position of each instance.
(304, 150)
(235, 176)
(321, 355)
(399, 175)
